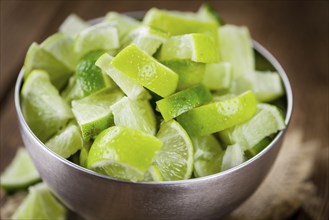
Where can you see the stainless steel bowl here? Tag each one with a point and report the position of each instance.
(95, 196)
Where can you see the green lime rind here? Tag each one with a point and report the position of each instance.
(20, 173)
(214, 117)
(40, 204)
(123, 152)
(218, 76)
(73, 25)
(127, 84)
(175, 159)
(267, 120)
(176, 104)
(153, 174)
(83, 156)
(258, 147)
(208, 155)
(134, 113)
(39, 58)
(93, 113)
(146, 70)
(72, 91)
(233, 156)
(45, 111)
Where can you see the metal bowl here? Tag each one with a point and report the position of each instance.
(95, 196)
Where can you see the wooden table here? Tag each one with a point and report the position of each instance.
(296, 33)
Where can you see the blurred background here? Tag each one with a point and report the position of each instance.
(295, 32)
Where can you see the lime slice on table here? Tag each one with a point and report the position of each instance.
(190, 73)
(67, 141)
(146, 38)
(233, 156)
(183, 101)
(123, 152)
(21, 172)
(45, 111)
(89, 76)
(213, 117)
(175, 159)
(102, 36)
(146, 70)
(60, 45)
(208, 155)
(267, 120)
(127, 84)
(72, 91)
(134, 113)
(196, 47)
(73, 25)
(40, 204)
(267, 86)
(93, 113)
(38, 58)
(218, 76)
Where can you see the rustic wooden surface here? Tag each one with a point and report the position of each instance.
(295, 32)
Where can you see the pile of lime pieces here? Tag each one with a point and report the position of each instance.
(172, 97)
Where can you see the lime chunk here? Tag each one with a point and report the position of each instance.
(89, 76)
(233, 156)
(44, 109)
(175, 159)
(20, 173)
(128, 85)
(40, 204)
(67, 141)
(60, 46)
(93, 113)
(267, 120)
(267, 86)
(146, 38)
(122, 152)
(38, 58)
(183, 101)
(195, 47)
(72, 91)
(153, 174)
(146, 70)
(208, 13)
(123, 23)
(83, 157)
(218, 76)
(73, 25)
(102, 36)
(208, 155)
(134, 113)
(258, 147)
(213, 117)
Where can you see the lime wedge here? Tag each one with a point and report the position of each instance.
(134, 113)
(208, 13)
(208, 155)
(175, 159)
(123, 23)
(128, 85)
(267, 86)
(72, 91)
(146, 38)
(195, 47)
(122, 152)
(146, 70)
(102, 36)
(89, 76)
(38, 58)
(73, 25)
(60, 46)
(233, 156)
(21, 172)
(213, 117)
(67, 141)
(258, 147)
(40, 204)
(218, 76)
(153, 174)
(44, 109)
(83, 157)
(183, 101)
(93, 113)
(267, 120)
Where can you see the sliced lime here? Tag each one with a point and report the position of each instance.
(122, 152)
(213, 117)
(258, 147)
(183, 101)
(93, 113)
(123, 23)
(153, 174)
(73, 25)
(40, 204)
(146, 70)
(233, 156)
(83, 157)
(72, 91)
(218, 76)
(21, 172)
(208, 13)
(267, 86)
(134, 113)
(45, 111)
(175, 159)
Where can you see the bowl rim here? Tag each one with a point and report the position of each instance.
(257, 46)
